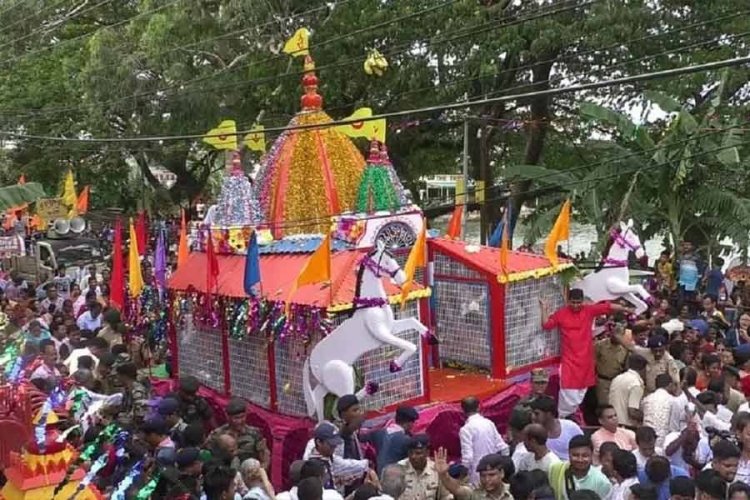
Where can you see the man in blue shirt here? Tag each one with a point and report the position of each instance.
(689, 272)
(715, 278)
(658, 472)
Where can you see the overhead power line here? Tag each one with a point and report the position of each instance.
(724, 63)
(186, 87)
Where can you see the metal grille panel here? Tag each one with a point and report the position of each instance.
(375, 366)
(525, 341)
(248, 364)
(200, 354)
(290, 357)
(463, 322)
(446, 266)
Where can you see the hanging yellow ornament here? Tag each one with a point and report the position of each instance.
(375, 64)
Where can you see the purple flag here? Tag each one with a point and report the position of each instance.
(160, 262)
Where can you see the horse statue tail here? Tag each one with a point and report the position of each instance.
(307, 388)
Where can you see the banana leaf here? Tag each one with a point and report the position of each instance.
(13, 196)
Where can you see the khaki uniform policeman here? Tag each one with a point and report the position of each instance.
(422, 480)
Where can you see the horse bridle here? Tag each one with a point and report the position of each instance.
(375, 267)
(619, 239)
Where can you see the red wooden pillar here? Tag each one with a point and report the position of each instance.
(225, 350)
(497, 328)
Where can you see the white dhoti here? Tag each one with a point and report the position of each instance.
(569, 401)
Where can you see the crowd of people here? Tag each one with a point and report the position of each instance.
(649, 407)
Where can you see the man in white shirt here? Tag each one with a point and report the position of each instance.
(688, 448)
(645, 438)
(539, 457)
(479, 437)
(678, 415)
(656, 407)
(625, 469)
(626, 392)
(95, 347)
(91, 319)
(52, 298)
(559, 431)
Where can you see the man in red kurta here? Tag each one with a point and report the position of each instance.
(575, 323)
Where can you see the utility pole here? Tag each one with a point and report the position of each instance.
(484, 162)
(466, 178)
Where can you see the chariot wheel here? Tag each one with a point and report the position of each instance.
(396, 234)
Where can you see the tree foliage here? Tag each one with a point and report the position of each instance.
(75, 68)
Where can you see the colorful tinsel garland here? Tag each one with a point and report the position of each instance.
(252, 317)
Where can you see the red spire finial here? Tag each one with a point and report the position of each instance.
(311, 100)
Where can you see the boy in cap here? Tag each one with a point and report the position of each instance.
(250, 440)
(491, 478)
(340, 472)
(422, 480)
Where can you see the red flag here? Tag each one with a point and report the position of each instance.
(117, 278)
(212, 267)
(454, 226)
(141, 230)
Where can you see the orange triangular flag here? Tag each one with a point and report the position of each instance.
(454, 226)
(317, 269)
(560, 232)
(182, 249)
(82, 204)
(417, 258)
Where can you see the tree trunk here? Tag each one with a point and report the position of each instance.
(536, 133)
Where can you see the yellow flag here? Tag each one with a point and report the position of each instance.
(317, 269)
(256, 139)
(417, 258)
(135, 278)
(69, 197)
(223, 137)
(371, 129)
(298, 45)
(560, 232)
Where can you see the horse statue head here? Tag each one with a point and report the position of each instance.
(627, 239)
(383, 264)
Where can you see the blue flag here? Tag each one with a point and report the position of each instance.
(497, 235)
(252, 265)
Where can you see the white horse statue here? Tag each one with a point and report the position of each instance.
(370, 326)
(612, 281)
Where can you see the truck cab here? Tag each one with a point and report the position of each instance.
(75, 254)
